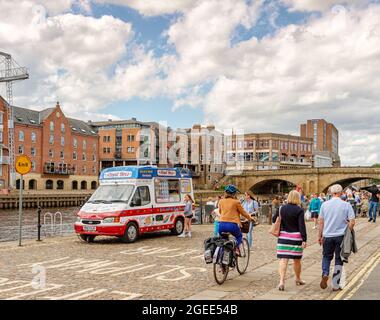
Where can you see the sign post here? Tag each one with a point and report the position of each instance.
(23, 166)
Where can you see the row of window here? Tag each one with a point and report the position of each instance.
(107, 150)
(33, 153)
(49, 184)
(130, 138)
(21, 138)
(50, 167)
(262, 144)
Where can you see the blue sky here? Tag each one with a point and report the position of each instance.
(149, 32)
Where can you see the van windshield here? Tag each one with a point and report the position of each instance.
(112, 193)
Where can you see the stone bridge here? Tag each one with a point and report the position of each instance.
(310, 180)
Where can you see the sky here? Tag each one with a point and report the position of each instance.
(252, 65)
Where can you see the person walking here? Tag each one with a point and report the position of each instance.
(373, 202)
(188, 216)
(216, 216)
(365, 206)
(249, 206)
(314, 207)
(334, 218)
(292, 238)
(230, 211)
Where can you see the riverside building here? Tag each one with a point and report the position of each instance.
(268, 151)
(63, 151)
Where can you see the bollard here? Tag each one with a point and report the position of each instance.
(39, 223)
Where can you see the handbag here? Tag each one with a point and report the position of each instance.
(245, 226)
(275, 228)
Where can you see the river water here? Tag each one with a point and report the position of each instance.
(9, 220)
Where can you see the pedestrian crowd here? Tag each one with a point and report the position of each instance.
(333, 216)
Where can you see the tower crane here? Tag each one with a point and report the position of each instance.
(11, 71)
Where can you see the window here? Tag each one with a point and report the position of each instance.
(84, 169)
(75, 143)
(60, 185)
(62, 141)
(141, 197)
(51, 139)
(21, 135)
(94, 169)
(62, 127)
(167, 190)
(94, 146)
(131, 149)
(84, 144)
(106, 138)
(1, 118)
(84, 156)
(93, 157)
(51, 126)
(20, 149)
(49, 184)
(75, 155)
(62, 154)
(51, 153)
(131, 138)
(33, 151)
(1, 136)
(33, 136)
(33, 165)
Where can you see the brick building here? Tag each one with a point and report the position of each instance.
(268, 151)
(126, 142)
(63, 151)
(199, 149)
(325, 142)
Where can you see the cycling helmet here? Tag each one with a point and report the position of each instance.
(231, 189)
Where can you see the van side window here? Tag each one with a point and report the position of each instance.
(167, 190)
(141, 197)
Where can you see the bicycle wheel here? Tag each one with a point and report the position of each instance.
(242, 260)
(220, 273)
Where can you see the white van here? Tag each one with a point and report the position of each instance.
(132, 200)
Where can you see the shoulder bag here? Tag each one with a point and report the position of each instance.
(275, 228)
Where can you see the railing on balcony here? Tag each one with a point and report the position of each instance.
(61, 168)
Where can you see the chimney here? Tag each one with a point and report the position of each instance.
(57, 104)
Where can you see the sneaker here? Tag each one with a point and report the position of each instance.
(323, 283)
(337, 289)
(189, 234)
(182, 235)
(370, 219)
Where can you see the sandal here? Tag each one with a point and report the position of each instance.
(300, 282)
(281, 287)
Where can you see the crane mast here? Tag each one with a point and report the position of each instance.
(10, 71)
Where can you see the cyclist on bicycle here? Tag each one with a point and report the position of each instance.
(230, 210)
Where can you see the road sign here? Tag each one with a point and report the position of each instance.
(23, 164)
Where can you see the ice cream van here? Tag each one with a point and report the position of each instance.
(133, 200)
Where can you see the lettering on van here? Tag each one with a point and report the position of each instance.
(118, 174)
(166, 173)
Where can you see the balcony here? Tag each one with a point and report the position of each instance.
(4, 160)
(60, 169)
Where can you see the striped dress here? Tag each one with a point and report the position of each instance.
(289, 245)
(292, 232)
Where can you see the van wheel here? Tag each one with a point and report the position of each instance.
(131, 233)
(178, 227)
(82, 237)
(90, 239)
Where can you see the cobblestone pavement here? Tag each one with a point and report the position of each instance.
(158, 266)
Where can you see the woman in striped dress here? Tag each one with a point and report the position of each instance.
(292, 239)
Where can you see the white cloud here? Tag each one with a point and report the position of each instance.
(154, 7)
(322, 5)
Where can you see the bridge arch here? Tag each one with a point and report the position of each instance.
(272, 186)
(345, 182)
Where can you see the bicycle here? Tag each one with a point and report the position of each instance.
(241, 260)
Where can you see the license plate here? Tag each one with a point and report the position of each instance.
(89, 228)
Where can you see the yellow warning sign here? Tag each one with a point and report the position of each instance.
(23, 164)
